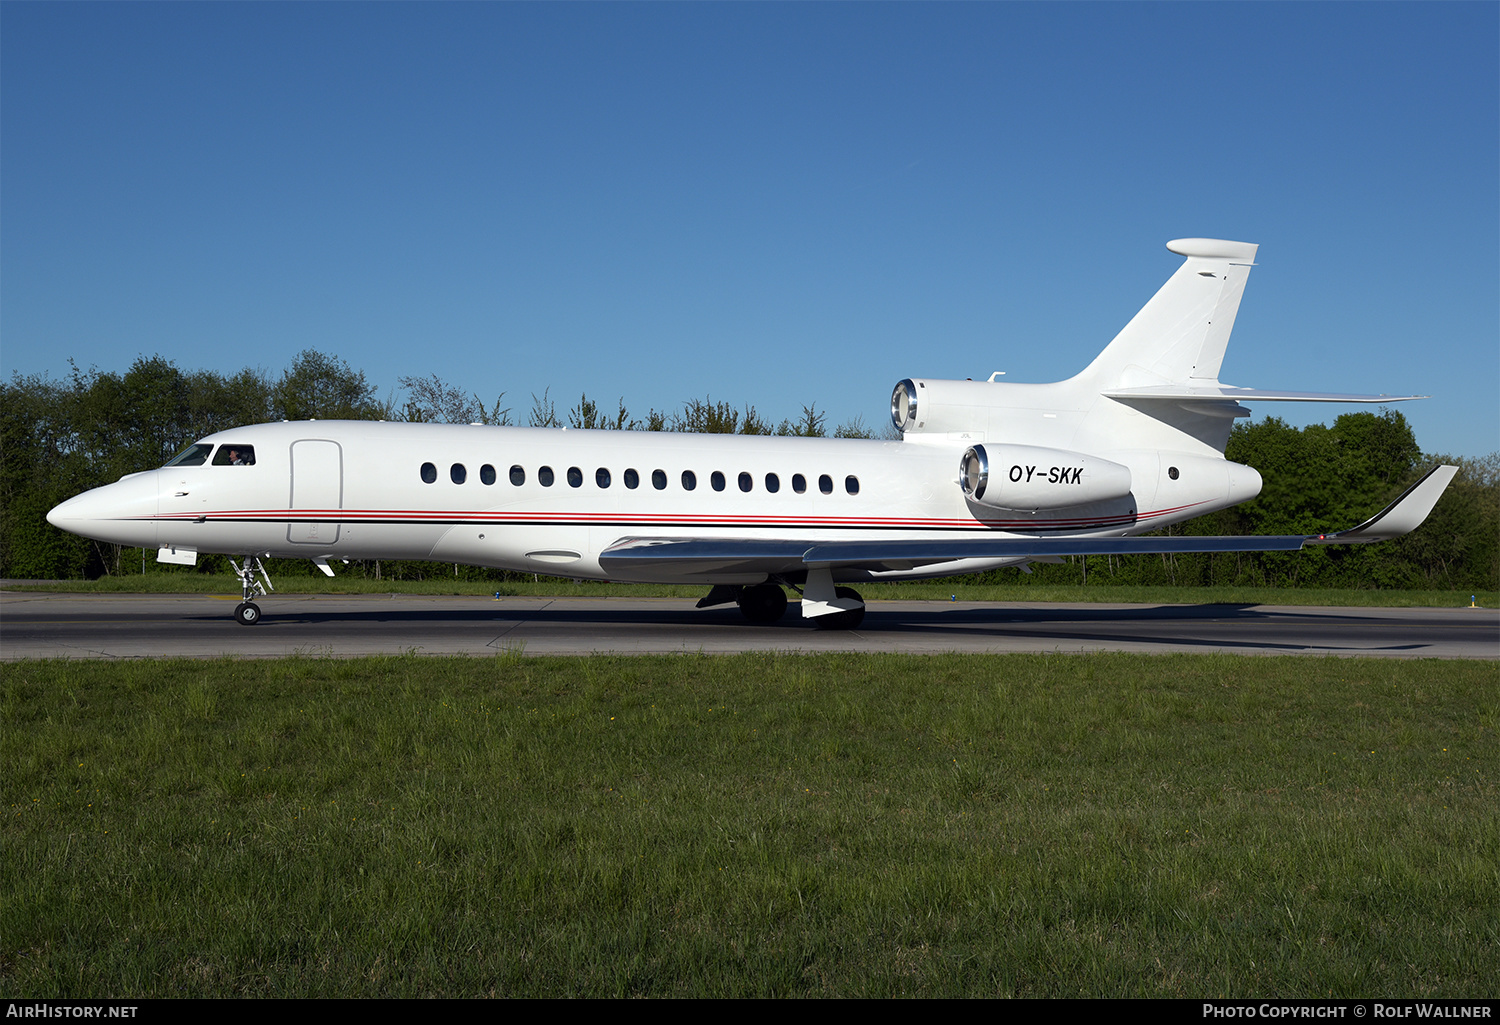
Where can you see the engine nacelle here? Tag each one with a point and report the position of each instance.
(933, 407)
(1024, 478)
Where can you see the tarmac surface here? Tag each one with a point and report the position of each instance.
(54, 625)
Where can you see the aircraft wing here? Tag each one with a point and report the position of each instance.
(748, 559)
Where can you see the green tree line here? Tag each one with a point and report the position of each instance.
(59, 438)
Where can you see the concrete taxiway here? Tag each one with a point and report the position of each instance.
(53, 625)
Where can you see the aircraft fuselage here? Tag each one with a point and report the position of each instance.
(480, 495)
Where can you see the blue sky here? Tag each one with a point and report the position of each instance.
(773, 204)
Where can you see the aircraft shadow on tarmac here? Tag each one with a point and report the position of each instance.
(1187, 625)
(1107, 625)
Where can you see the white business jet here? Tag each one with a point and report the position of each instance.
(986, 474)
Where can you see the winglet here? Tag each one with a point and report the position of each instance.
(1402, 516)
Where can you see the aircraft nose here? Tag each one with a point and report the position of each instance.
(68, 515)
(123, 512)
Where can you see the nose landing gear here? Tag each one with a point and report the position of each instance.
(247, 613)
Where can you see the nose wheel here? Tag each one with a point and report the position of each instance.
(247, 613)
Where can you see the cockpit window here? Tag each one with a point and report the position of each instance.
(235, 455)
(193, 455)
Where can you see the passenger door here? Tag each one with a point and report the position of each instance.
(317, 492)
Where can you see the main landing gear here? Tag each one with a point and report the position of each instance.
(763, 603)
(829, 607)
(247, 613)
(845, 619)
(825, 606)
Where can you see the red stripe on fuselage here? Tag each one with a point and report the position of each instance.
(696, 520)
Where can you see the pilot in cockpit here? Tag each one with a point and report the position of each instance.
(235, 455)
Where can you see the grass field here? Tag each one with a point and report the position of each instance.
(751, 826)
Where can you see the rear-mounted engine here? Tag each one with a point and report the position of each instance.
(1024, 478)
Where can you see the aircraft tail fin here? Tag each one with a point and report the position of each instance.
(1179, 336)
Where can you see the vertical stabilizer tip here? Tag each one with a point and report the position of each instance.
(1213, 248)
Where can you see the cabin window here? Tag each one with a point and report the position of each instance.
(799, 483)
(429, 473)
(717, 480)
(575, 477)
(487, 474)
(851, 484)
(601, 477)
(457, 473)
(825, 484)
(193, 455)
(544, 475)
(235, 455)
(632, 479)
(773, 483)
(689, 480)
(659, 480)
(746, 481)
(518, 475)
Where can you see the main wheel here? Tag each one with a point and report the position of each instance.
(763, 603)
(847, 620)
(247, 613)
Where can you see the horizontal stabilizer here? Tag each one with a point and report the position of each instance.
(1226, 392)
(748, 558)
